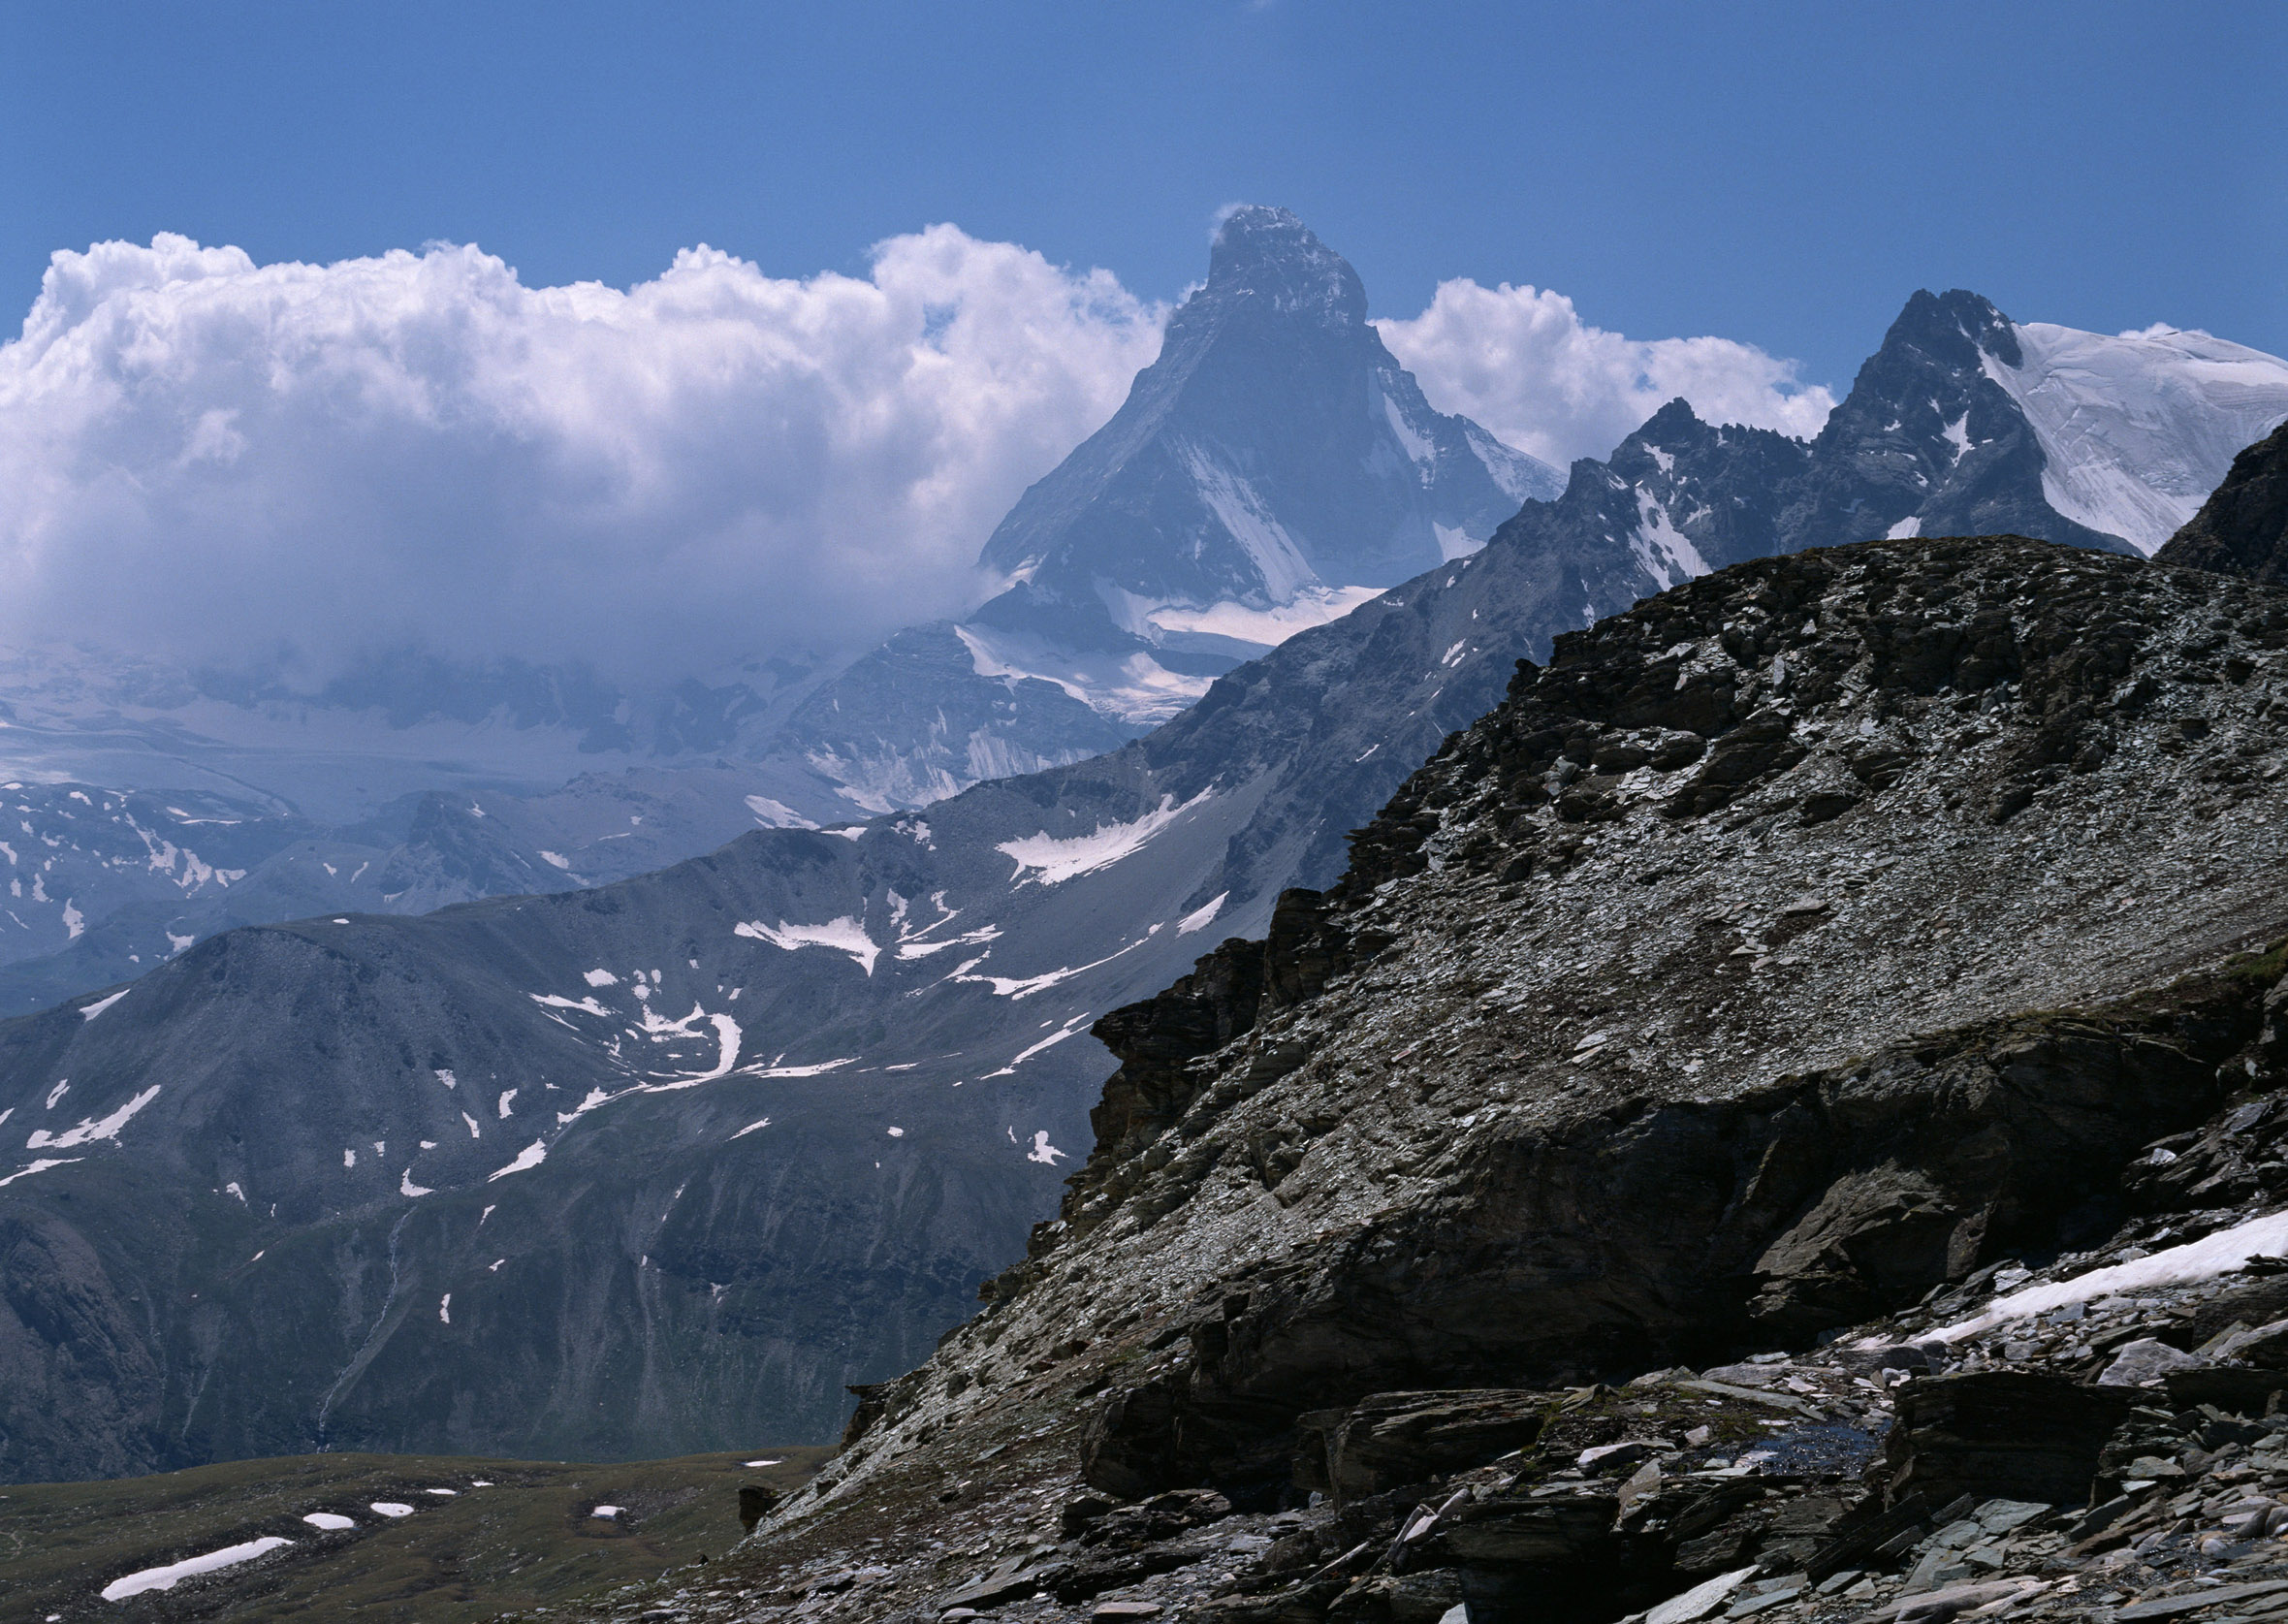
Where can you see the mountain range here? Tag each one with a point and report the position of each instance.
(637, 1169)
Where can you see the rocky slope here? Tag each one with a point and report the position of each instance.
(1820, 946)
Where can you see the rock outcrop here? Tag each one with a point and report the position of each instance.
(2243, 529)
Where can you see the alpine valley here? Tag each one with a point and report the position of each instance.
(643, 1168)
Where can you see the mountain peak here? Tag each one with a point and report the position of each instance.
(1271, 254)
(1942, 323)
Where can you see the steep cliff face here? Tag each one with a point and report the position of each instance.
(1793, 950)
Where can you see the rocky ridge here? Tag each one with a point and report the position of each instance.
(1821, 963)
(2243, 529)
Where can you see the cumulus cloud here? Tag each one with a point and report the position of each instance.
(210, 458)
(1521, 361)
(302, 465)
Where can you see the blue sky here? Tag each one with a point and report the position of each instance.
(1778, 173)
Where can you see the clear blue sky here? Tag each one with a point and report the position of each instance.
(1780, 173)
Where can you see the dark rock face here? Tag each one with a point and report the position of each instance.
(2243, 529)
(2000, 1434)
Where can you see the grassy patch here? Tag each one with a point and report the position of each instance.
(528, 1537)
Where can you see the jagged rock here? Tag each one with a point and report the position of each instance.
(2000, 1434)
(2147, 1360)
(1391, 1438)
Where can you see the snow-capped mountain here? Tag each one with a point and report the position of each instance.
(1274, 460)
(666, 1163)
(1273, 469)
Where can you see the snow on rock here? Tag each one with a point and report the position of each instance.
(776, 814)
(1068, 1029)
(2138, 427)
(1270, 627)
(844, 935)
(2212, 1255)
(1059, 860)
(1666, 551)
(190, 1567)
(530, 1157)
(89, 1011)
(90, 1128)
(331, 1521)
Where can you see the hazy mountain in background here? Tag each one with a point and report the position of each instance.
(640, 1169)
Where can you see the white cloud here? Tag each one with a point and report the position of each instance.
(207, 457)
(222, 460)
(1521, 361)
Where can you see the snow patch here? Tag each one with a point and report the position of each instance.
(1059, 860)
(392, 1508)
(844, 935)
(585, 1006)
(510, 1094)
(89, 1011)
(1042, 1151)
(530, 1157)
(88, 1129)
(190, 1567)
(2222, 1252)
(1201, 918)
(406, 1185)
(760, 1122)
(331, 1521)
(554, 860)
(444, 1317)
(1911, 526)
